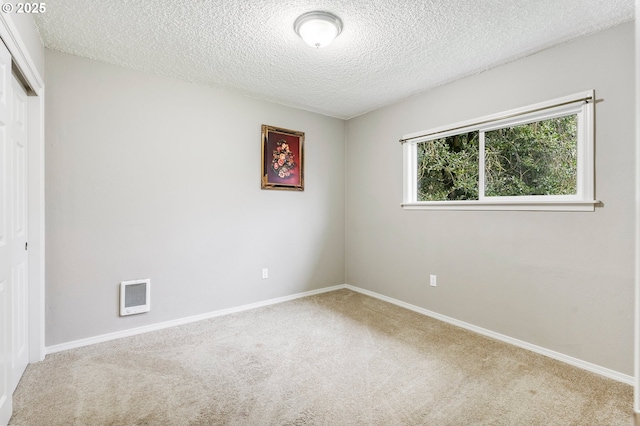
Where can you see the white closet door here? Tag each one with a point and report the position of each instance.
(19, 295)
(6, 239)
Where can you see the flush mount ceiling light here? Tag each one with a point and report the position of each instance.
(318, 29)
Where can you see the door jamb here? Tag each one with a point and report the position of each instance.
(36, 254)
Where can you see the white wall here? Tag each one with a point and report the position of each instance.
(152, 177)
(563, 281)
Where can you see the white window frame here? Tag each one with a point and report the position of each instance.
(580, 104)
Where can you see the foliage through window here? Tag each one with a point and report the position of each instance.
(534, 158)
(448, 168)
(539, 158)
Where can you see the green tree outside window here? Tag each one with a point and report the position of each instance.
(537, 158)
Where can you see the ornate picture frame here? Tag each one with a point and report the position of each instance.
(282, 159)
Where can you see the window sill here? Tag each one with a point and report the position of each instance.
(563, 206)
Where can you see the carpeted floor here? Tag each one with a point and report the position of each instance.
(339, 358)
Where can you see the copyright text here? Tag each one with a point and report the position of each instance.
(24, 8)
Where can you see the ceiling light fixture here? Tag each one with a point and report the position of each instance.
(318, 29)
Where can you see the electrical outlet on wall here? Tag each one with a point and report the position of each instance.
(265, 273)
(432, 281)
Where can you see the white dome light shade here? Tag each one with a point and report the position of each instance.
(318, 29)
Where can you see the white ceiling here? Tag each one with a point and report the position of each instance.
(388, 50)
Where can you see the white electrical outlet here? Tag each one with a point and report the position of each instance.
(432, 280)
(265, 273)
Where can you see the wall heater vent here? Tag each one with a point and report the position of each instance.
(134, 297)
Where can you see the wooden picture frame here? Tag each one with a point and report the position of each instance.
(282, 159)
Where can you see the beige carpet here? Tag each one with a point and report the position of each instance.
(338, 358)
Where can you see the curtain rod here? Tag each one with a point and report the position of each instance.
(502, 117)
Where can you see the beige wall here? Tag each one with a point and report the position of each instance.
(150, 177)
(563, 281)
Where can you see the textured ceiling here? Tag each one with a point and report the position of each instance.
(388, 50)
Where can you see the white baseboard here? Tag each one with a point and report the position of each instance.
(181, 321)
(620, 377)
(624, 378)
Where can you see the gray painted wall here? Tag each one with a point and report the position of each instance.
(150, 177)
(563, 281)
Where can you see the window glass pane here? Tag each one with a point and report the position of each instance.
(532, 159)
(448, 168)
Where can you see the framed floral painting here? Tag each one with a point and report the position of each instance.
(282, 159)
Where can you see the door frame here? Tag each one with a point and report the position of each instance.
(636, 345)
(35, 105)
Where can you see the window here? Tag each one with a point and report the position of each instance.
(538, 157)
